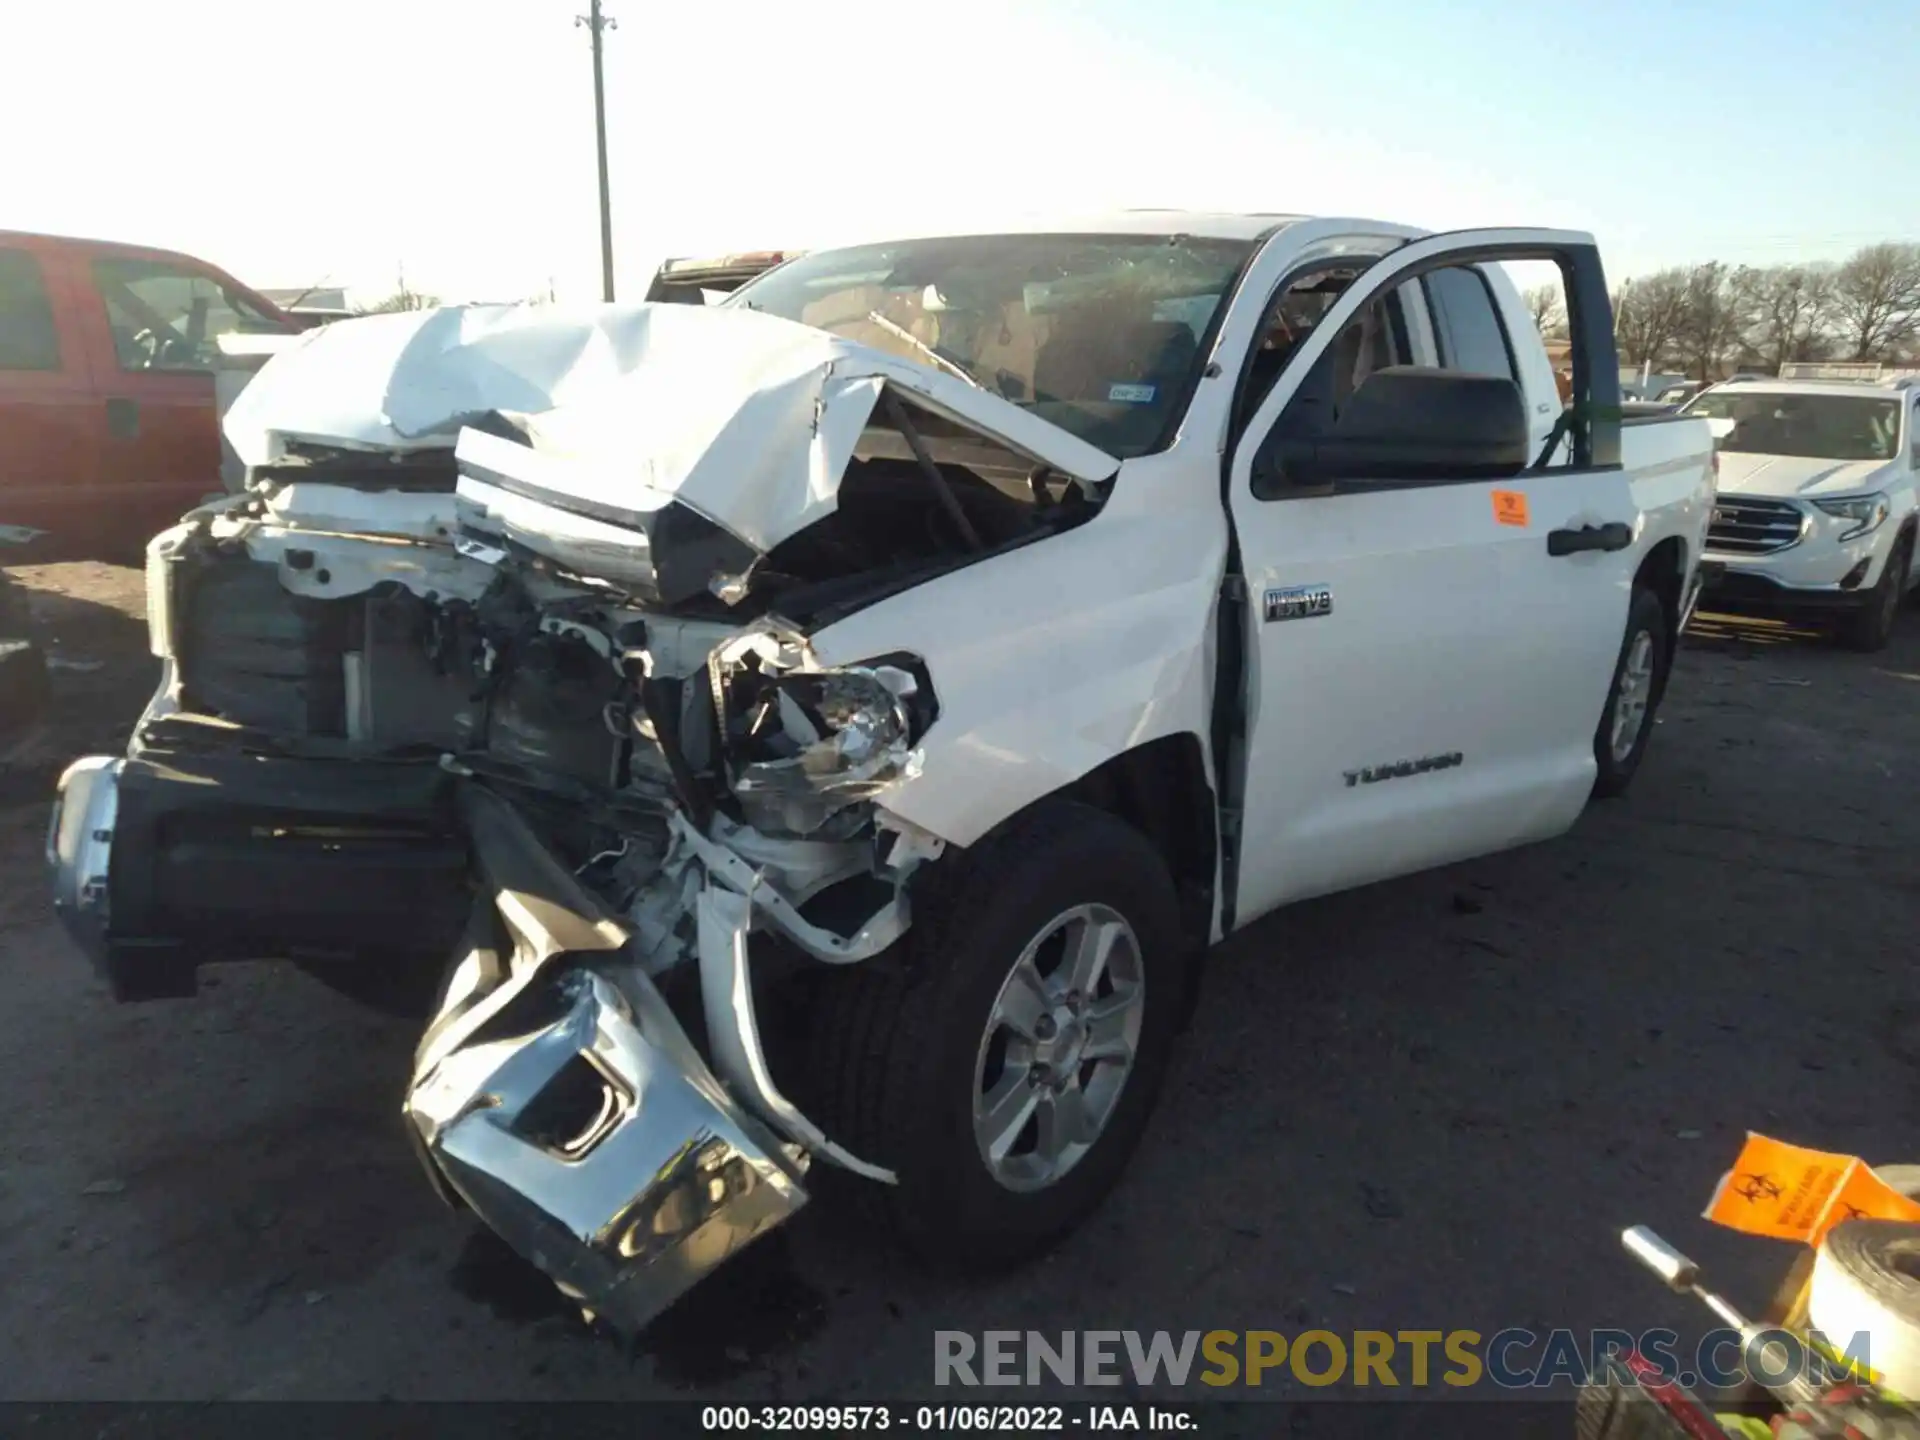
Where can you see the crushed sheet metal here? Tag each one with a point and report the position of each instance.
(509, 858)
(334, 567)
(343, 510)
(801, 868)
(408, 381)
(733, 1031)
(746, 418)
(589, 1133)
(661, 1187)
(886, 925)
(912, 846)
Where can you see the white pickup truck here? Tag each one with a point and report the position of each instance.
(826, 730)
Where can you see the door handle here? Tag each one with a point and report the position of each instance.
(123, 417)
(1612, 536)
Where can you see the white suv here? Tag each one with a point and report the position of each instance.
(1817, 497)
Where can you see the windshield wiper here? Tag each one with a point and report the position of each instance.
(925, 349)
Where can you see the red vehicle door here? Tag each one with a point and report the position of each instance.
(153, 323)
(49, 438)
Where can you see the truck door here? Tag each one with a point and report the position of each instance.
(155, 325)
(1432, 629)
(49, 443)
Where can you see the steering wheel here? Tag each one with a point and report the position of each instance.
(160, 348)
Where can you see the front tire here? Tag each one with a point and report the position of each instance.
(1870, 627)
(1639, 679)
(1005, 1060)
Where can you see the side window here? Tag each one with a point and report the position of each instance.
(1467, 327)
(167, 317)
(29, 340)
(1291, 318)
(1378, 337)
(1443, 379)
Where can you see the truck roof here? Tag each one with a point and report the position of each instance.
(1208, 224)
(125, 250)
(111, 247)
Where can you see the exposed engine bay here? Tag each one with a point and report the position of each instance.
(442, 689)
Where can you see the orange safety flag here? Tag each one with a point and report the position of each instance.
(1791, 1193)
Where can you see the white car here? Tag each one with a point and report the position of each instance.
(1816, 510)
(830, 727)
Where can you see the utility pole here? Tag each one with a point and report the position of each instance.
(596, 23)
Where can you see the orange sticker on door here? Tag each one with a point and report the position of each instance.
(1510, 507)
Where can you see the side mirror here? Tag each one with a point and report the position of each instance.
(1406, 422)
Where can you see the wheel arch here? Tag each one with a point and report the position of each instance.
(1663, 570)
(1163, 790)
(1909, 531)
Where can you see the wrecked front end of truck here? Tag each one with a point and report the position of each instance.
(504, 655)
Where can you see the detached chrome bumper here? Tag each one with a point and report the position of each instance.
(598, 1155)
(558, 1096)
(79, 846)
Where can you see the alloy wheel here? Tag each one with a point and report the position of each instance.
(1059, 1045)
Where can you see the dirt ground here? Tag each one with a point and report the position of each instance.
(1433, 1103)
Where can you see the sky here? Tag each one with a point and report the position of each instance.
(300, 143)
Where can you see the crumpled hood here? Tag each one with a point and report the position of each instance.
(1786, 477)
(746, 419)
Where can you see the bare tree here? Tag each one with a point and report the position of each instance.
(1549, 315)
(1792, 306)
(1717, 311)
(1876, 299)
(1648, 315)
(404, 297)
(401, 299)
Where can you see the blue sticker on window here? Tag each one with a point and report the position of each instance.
(1130, 394)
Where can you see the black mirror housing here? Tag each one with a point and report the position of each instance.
(1407, 422)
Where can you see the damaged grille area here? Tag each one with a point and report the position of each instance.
(484, 729)
(500, 673)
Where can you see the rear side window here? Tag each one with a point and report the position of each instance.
(28, 337)
(1466, 326)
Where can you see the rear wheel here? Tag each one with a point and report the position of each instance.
(1870, 627)
(1639, 677)
(1005, 1064)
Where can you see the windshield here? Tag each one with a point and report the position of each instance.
(1823, 427)
(1101, 335)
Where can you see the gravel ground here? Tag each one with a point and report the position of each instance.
(1432, 1103)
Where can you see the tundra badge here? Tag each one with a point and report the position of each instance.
(1299, 602)
(1399, 769)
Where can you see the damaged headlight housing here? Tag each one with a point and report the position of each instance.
(804, 745)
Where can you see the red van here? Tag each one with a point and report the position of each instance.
(108, 423)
